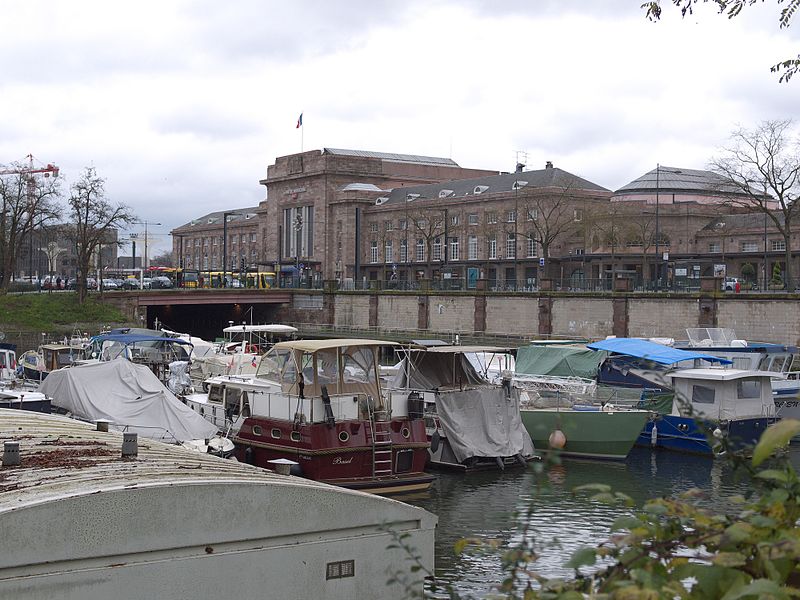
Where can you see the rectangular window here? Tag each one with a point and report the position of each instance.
(454, 249)
(713, 247)
(437, 248)
(778, 245)
(340, 569)
(472, 248)
(252, 237)
(373, 227)
(420, 253)
(388, 254)
(578, 251)
(388, 225)
(242, 238)
(214, 241)
(455, 219)
(491, 218)
(402, 224)
(373, 251)
(403, 251)
(511, 216)
(533, 214)
(511, 246)
(577, 214)
(702, 394)
(492, 247)
(531, 247)
(748, 388)
(473, 219)
(749, 246)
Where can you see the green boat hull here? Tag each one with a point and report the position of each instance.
(589, 434)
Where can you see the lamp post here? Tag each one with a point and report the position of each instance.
(225, 216)
(298, 228)
(765, 251)
(146, 257)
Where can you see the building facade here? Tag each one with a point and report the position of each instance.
(360, 217)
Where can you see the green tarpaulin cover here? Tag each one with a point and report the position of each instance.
(559, 361)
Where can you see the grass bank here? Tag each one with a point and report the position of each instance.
(53, 312)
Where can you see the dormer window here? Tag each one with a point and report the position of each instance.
(445, 193)
(519, 184)
(381, 200)
(410, 197)
(479, 189)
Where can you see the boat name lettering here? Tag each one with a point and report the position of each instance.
(342, 461)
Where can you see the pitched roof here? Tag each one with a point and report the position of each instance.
(543, 178)
(753, 220)
(213, 218)
(678, 179)
(393, 157)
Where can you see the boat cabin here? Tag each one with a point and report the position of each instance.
(8, 361)
(723, 394)
(255, 339)
(315, 380)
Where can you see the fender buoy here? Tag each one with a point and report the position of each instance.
(435, 439)
(557, 439)
(654, 435)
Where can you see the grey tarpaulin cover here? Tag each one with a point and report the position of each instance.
(125, 394)
(483, 422)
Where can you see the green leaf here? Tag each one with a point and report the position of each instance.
(603, 497)
(738, 532)
(654, 508)
(582, 557)
(776, 436)
(772, 475)
(625, 522)
(729, 559)
(760, 588)
(461, 544)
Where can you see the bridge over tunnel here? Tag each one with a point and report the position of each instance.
(200, 313)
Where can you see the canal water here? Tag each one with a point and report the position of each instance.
(499, 506)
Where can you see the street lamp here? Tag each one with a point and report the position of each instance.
(298, 228)
(658, 231)
(225, 216)
(146, 261)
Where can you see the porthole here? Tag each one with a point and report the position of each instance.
(343, 436)
(257, 430)
(295, 436)
(276, 433)
(405, 432)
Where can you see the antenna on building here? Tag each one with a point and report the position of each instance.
(522, 161)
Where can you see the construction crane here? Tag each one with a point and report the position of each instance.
(31, 169)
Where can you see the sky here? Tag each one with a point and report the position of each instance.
(182, 105)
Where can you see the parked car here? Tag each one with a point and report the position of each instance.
(130, 284)
(110, 284)
(161, 282)
(729, 284)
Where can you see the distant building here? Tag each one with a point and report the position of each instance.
(50, 250)
(199, 244)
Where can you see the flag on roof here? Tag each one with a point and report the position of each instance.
(299, 121)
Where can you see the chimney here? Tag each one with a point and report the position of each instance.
(519, 168)
(548, 164)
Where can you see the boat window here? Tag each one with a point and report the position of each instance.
(274, 363)
(276, 433)
(358, 365)
(257, 430)
(777, 364)
(702, 394)
(749, 388)
(763, 364)
(232, 396)
(326, 367)
(307, 366)
(741, 363)
(215, 393)
(295, 435)
(3, 362)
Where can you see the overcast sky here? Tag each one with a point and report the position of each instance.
(182, 105)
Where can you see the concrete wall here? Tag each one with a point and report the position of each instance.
(398, 311)
(351, 310)
(451, 313)
(662, 317)
(772, 321)
(582, 317)
(506, 314)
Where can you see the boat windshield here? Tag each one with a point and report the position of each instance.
(273, 364)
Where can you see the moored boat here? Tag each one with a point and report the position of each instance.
(471, 423)
(712, 405)
(319, 403)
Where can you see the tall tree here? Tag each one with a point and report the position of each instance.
(549, 217)
(28, 201)
(93, 219)
(763, 164)
(732, 8)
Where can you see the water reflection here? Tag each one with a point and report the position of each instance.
(498, 506)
